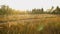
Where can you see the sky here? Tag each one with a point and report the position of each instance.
(30, 4)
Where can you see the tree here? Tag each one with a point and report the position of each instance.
(57, 10)
(6, 10)
(37, 11)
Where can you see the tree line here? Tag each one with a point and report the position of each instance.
(6, 10)
(49, 11)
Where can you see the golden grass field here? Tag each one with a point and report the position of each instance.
(30, 24)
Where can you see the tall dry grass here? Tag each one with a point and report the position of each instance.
(38, 25)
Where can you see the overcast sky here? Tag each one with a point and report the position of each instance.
(30, 4)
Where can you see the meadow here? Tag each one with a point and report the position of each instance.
(30, 24)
